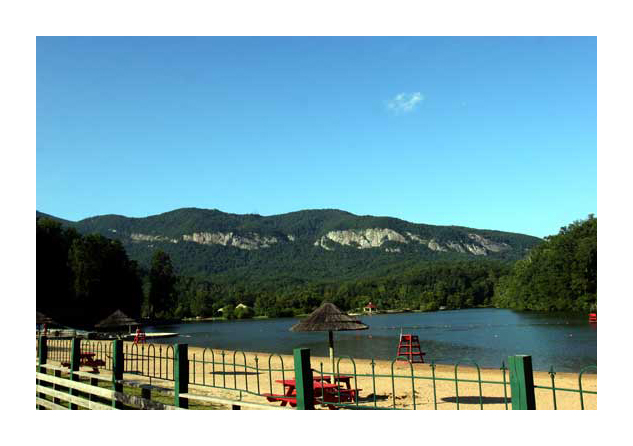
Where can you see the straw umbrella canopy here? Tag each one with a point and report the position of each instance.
(41, 318)
(116, 319)
(329, 318)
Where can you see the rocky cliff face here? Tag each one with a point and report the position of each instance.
(377, 237)
(135, 237)
(368, 238)
(357, 238)
(250, 241)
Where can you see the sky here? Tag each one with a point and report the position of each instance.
(489, 133)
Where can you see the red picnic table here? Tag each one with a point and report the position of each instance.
(337, 379)
(87, 359)
(323, 392)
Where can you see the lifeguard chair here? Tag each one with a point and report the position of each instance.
(139, 336)
(409, 347)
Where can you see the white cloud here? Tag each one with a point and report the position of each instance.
(405, 102)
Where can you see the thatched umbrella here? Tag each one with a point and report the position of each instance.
(329, 318)
(41, 318)
(117, 319)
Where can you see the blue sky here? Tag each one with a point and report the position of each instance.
(493, 133)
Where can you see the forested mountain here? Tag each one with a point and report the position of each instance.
(304, 246)
(195, 262)
(558, 275)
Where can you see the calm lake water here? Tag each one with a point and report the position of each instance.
(486, 336)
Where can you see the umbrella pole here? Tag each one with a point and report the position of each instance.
(331, 339)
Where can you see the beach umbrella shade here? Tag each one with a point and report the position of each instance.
(41, 318)
(117, 319)
(329, 318)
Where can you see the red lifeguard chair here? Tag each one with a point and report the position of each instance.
(139, 336)
(409, 347)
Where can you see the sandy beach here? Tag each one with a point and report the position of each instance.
(380, 390)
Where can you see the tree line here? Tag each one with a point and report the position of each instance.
(557, 275)
(82, 279)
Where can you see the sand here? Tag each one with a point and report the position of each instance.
(380, 390)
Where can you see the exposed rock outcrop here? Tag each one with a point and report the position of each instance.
(363, 238)
(435, 246)
(489, 244)
(136, 237)
(376, 237)
(252, 241)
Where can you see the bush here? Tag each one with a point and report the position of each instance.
(244, 313)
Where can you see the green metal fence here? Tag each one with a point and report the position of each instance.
(224, 369)
(580, 391)
(255, 378)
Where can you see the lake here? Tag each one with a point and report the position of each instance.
(487, 336)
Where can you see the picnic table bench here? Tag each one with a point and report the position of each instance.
(87, 359)
(337, 379)
(324, 392)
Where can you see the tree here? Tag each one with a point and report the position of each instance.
(162, 295)
(558, 275)
(54, 287)
(104, 279)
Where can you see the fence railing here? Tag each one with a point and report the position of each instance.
(240, 379)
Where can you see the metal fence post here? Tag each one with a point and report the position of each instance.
(118, 366)
(181, 375)
(75, 351)
(303, 379)
(521, 382)
(42, 357)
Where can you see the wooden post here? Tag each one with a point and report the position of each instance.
(146, 392)
(521, 382)
(57, 374)
(118, 366)
(331, 345)
(93, 382)
(303, 379)
(42, 357)
(75, 359)
(181, 375)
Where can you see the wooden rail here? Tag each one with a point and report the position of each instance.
(112, 395)
(235, 405)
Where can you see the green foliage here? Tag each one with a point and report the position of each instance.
(81, 280)
(228, 312)
(244, 313)
(297, 260)
(425, 286)
(162, 291)
(558, 275)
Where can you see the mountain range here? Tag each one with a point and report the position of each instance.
(309, 244)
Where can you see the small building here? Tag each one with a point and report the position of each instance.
(369, 308)
(238, 306)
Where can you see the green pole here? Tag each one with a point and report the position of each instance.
(181, 375)
(118, 366)
(42, 356)
(74, 367)
(303, 379)
(521, 382)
